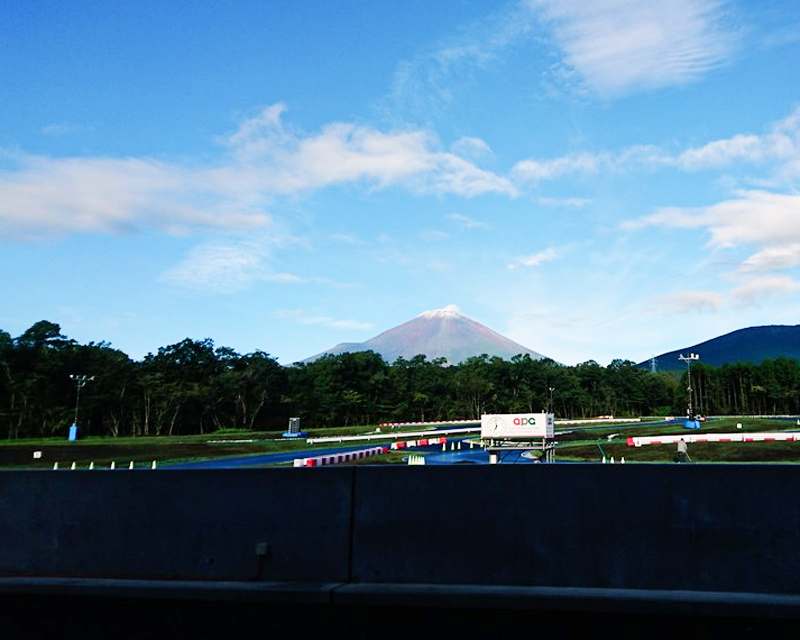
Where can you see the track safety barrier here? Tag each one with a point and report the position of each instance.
(336, 458)
(777, 436)
(429, 424)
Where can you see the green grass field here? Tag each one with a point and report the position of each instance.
(584, 444)
(578, 445)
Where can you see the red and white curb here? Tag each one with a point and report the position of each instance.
(716, 437)
(336, 458)
(422, 442)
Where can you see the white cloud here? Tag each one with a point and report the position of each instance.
(672, 217)
(269, 157)
(686, 301)
(535, 260)
(584, 163)
(754, 217)
(615, 46)
(758, 218)
(759, 289)
(619, 46)
(781, 143)
(774, 258)
(45, 197)
(536, 170)
(466, 221)
(780, 146)
(471, 148)
(563, 202)
(42, 196)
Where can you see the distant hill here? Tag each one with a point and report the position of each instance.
(442, 333)
(753, 345)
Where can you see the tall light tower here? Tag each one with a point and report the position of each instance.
(80, 383)
(690, 412)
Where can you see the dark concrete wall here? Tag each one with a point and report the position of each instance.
(675, 527)
(696, 527)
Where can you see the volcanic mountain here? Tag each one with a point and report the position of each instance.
(442, 333)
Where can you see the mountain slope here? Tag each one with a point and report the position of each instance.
(442, 333)
(753, 345)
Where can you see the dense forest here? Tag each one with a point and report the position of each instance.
(194, 387)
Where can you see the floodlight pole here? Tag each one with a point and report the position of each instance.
(688, 360)
(80, 382)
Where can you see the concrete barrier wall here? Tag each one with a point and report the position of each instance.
(676, 527)
(283, 525)
(693, 527)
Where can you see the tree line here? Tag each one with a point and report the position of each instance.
(193, 387)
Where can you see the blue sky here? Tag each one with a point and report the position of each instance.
(602, 180)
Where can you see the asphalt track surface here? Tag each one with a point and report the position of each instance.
(434, 456)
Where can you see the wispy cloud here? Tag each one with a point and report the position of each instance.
(778, 149)
(57, 129)
(636, 157)
(45, 197)
(764, 220)
(433, 235)
(774, 258)
(299, 317)
(430, 81)
(226, 268)
(535, 260)
(269, 156)
(538, 170)
(686, 301)
(347, 238)
(563, 202)
(620, 46)
(472, 148)
(753, 217)
(42, 196)
(760, 289)
(780, 143)
(466, 221)
(614, 47)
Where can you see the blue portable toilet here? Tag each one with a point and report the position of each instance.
(73, 433)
